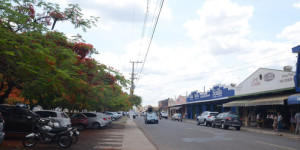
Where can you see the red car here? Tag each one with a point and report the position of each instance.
(79, 120)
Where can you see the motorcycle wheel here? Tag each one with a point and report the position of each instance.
(74, 138)
(29, 141)
(64, 141)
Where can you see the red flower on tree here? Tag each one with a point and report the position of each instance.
(82, 49)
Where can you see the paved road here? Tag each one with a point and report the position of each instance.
(174, 135)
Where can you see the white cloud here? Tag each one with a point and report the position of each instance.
(297, 5)
(291, 33)
(221, 25)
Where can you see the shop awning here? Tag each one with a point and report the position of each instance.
(175, 108)
(273, 100)
(294, 99)
(238, 103)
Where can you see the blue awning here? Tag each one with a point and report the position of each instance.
(294, 99)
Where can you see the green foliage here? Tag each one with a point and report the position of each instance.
(48, 68)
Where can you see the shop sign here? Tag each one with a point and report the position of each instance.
(269, 76)
(214, 93)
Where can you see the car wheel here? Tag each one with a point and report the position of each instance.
(96, 125)
(238, 128)
(212, 125)
(222, 125)
(205, 123)
(80, 127)
(198, 122)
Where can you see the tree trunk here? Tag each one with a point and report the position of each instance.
(8, 91)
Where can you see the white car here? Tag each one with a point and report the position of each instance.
(96, 120)
(58, 116)
(206, 118)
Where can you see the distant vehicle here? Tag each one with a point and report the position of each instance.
(96, 120)
(206, 118)
(2, 134)
(79, 120)
(151, 118)
(164, 115)
(226, 120)
(111, 115)
(17, 119)
(176, 116)
(58, 116)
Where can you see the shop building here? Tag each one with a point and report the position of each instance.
(164, 105)
(212, 100)
(179, 106)
(264, 92)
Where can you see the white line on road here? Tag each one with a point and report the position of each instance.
(276, 145)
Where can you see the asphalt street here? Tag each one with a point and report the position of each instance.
(174, 135)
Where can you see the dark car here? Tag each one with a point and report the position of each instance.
(17, 119)
(226, 120)
(79, 120)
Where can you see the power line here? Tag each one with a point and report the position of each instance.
(161, 5)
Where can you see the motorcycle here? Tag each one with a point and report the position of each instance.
(45, 131)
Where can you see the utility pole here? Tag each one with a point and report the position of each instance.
(132, 77)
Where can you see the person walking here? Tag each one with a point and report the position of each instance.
(297, 120)
(275, 123)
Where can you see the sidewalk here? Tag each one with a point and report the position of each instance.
(134, 138)
(284, 133)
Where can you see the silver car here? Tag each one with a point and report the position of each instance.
(96, 120)
(58, 116)
(2, 134)
(206, 118)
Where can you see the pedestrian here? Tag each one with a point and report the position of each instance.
(297, 120)
(280, 119)
(258, 120)
(275, 123)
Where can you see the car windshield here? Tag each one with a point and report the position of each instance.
(233, 116)
(213, 114)
(151, 114)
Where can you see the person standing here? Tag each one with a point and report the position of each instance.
(279, 118)
(297, 120)
(275, 123)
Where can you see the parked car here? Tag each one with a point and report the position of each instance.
(2, 134)
(226, 120)
(96, 120)
(111, 115)
(206, 118)
(151, 118)
(79, 120)
(17, 119)
(176, 116)
(164, 114)
(58, 116)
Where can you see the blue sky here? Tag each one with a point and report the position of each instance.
(196, 43)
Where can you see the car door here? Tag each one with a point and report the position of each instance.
(202, 117)
(218, 119)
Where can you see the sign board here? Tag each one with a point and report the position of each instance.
(266, 80)
(216, 92)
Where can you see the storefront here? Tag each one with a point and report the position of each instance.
(198, 102)
(179, 106)
(265, 92)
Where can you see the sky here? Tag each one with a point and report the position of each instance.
(196, 43)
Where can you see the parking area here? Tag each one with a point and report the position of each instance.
(104, 139)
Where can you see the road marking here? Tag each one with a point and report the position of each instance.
(276, 145)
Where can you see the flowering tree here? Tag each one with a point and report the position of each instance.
(36, 15)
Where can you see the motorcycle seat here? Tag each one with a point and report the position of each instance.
(57, 130)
